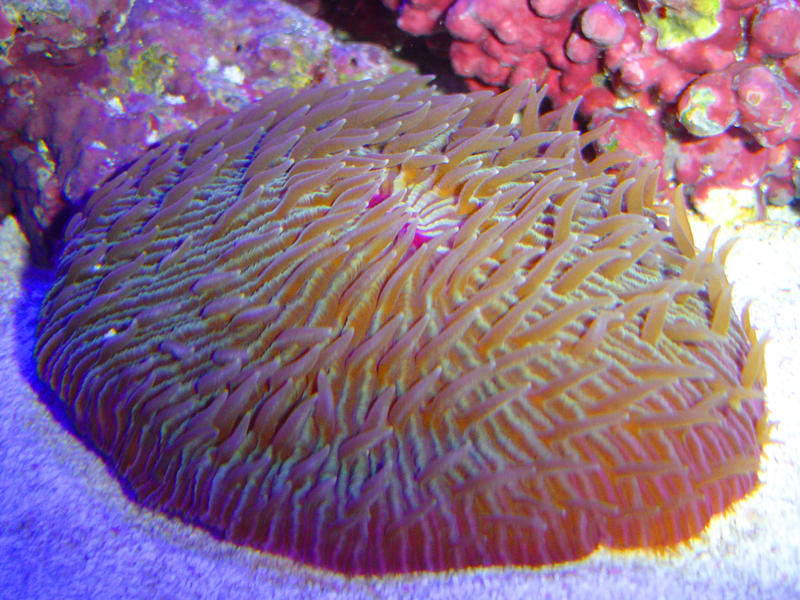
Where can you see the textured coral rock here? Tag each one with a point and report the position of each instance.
(85, 87)
(64, 24)
(671, 61)
(379, 330)
(709, 105)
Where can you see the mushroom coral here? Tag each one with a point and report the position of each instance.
(376, 329)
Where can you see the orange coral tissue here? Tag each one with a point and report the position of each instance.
(378, 330)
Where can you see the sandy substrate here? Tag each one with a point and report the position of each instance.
(68, 530)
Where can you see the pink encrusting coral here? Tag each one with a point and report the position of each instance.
(376, 329)
(683, 65)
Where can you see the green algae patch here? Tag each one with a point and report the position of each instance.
(681, 21)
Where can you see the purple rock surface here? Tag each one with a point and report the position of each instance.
(86, 86)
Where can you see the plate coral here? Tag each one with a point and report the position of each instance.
(376, 329)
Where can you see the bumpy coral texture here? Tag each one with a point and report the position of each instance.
(675, 62)
(379, 330)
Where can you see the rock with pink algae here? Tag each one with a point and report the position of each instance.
(708, 106)
(86, 86)
(602, 24)
(631, 130)
(769, 105)
(775, 29)
(681, 64)
(762, 103)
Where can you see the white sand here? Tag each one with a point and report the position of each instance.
(68, 531)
